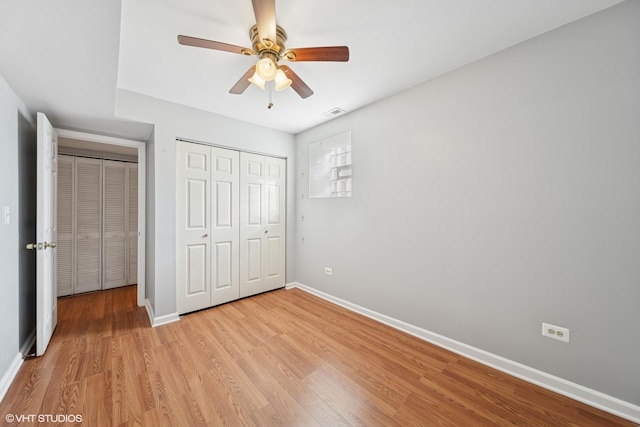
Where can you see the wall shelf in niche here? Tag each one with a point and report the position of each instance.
(330, 167)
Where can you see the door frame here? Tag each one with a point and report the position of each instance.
(142, 190)
(229, 147)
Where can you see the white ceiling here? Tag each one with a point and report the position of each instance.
(68, 58)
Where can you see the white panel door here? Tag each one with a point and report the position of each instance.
(193, 217)
(262, 214)
(252, 212)
(46, 300)
(114, 236)
(88, 218)
(225, 229)
(274, 223)
(132, 252)
(64, 248)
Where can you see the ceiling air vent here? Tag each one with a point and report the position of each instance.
(334, 112)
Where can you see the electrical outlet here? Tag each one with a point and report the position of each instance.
(328, 271)
(555, 332)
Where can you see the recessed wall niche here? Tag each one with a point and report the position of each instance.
(330, 167)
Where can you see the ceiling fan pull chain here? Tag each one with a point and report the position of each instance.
(270, 84)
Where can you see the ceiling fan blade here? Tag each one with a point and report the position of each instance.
(243, 83)
(328, 53)
(265, 12)
(296, 83)
(210, 44)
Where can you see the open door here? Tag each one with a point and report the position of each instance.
(46, 301)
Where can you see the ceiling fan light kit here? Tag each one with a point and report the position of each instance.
(266, 68)
(268, 44)
(257, 80)
(281, 80)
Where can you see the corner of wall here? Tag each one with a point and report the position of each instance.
(160, 320)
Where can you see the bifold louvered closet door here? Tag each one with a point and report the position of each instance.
(64, 249)
(94, 212)
(132, 256)
(115, 224)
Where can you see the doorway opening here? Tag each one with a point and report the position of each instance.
(115, 161)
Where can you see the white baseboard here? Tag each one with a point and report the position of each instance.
(31, 340)
(559, 385)
(160, 320)
(293, 285)
(8, 376)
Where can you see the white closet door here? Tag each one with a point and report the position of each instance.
(193, 217)
(274, 223)
(225, 250)
(65, 209)
(114, 189)
(262, 231)
(88, 244)
(132, 256)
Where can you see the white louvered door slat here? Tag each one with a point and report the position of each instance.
(133, 225)
(114, 259)
(88, 217)
(65, 225)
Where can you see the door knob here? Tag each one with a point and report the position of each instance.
(41, 246)
(36, 246)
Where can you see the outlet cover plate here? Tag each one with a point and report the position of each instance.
(555, 332)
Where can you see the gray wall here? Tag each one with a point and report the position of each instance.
(15, 128)
(173, 121)
(496, 197)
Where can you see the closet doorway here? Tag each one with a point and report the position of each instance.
(102, 215)
(231, 225)
(97, 221)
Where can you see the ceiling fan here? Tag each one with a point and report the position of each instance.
(268, 44)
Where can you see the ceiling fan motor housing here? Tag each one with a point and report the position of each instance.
(268, 48)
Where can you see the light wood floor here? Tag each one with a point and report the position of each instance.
(285, 358)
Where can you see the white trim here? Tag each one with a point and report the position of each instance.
(9, 376)
(228, 147)
(559, 385)
(102, 139)
(142, 185)
(31, 339)
(292, 285)
(162, 320)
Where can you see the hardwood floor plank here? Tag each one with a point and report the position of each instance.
(282, 358)
(98, 410)
(348, 401)
(320, 410)
(283, 408)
